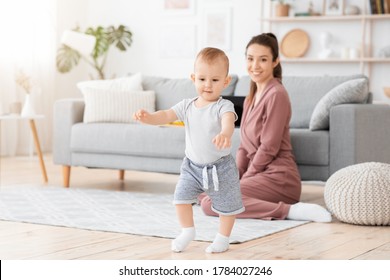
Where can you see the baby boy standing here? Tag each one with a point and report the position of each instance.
(208, 165)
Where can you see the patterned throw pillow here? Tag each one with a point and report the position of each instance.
(103, 105)
(133, 82)
(353, 91)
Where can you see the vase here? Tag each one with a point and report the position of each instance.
(28, 108)
(282, 10)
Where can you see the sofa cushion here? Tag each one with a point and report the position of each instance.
(128, 139)
(243, 86)
(353, 91)
(171, 91)
(306, 92)
(310, 147)
(108, 105)
(133, 82)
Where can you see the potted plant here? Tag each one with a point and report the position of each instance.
(120, 37)
(282, 8)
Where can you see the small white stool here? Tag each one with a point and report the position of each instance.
(360, 194)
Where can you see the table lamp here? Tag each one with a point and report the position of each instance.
(81, 42)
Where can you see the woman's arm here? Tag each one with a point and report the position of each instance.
(242, 160)
(277, 121)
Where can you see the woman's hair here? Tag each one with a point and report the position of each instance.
(210, 55)
(268, 40)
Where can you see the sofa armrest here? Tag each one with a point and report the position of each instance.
(359, 133)
(66, 113)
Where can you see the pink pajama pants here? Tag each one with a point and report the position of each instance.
(264, 197)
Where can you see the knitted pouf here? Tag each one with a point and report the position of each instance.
(360, 194)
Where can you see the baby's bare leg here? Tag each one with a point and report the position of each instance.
(186, 220)
(221, 241)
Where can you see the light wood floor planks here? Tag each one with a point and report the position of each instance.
(332, 241)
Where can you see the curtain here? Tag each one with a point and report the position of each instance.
(28, 44)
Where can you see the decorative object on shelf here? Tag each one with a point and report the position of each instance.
(351, 10)
(92, 46)
(354, 53)
(295, 43)
(310, 11)
(28, 108)
(15, 108)
(384, 52)
(282, 9)
(333, 7)
(25, 82)
(350, 53)
(386, 90)
(326, 42)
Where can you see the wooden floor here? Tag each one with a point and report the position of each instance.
(336, 241)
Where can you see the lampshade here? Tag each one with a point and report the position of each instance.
(83, 43)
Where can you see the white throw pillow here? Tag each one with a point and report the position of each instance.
(133, 82)
(103, 105)
(352, 91)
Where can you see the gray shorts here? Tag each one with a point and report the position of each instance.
(218, 179)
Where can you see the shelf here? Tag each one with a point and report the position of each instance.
(326, 18)
(333, 60)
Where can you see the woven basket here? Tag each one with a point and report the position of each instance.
(360, 194)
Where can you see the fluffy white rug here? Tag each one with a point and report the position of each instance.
(118, 211)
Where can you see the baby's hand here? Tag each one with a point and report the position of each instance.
(141, 115)
(222, 141)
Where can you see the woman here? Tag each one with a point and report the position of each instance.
(269, 177)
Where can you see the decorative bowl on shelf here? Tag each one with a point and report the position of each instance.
(386, 90)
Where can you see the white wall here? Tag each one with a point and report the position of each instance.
(147, 21)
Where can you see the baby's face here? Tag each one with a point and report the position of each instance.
(210, 79)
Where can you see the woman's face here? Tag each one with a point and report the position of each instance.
(259, 63)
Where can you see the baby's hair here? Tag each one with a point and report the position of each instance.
(210, 55)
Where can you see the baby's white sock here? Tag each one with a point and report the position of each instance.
(182, 241)
(309, 212)
(219, 245)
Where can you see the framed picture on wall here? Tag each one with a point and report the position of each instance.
(333, 7)
(179, 7)
(217, 28)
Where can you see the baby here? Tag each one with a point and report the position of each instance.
(208, 165)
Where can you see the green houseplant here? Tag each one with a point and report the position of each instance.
(120, 37)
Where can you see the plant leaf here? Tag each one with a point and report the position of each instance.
(66, 59)
(102, 41)
(121, 37)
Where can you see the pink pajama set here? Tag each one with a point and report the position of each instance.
(269, 177)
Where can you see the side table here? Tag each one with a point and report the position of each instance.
(31, 120)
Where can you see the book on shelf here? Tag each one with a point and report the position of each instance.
(373, 8)
(378, 7)
(386, 6)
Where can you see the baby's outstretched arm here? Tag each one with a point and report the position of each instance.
(155, 118)
(223, 139)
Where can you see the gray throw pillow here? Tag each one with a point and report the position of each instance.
(353, 91)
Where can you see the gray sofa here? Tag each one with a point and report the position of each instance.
(357, 132)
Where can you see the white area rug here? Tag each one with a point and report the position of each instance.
(116, 211)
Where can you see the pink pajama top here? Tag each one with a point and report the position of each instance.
(265, 138)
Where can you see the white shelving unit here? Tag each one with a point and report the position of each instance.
(367, 22)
